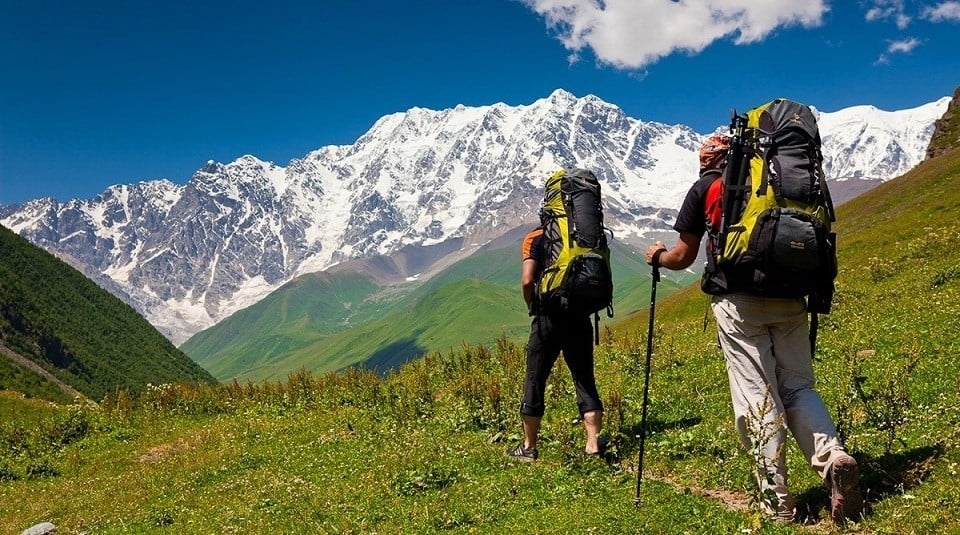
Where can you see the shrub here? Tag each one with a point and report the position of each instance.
(7, 473)
(40, 468)
(69, 427)
(416, 482)
(881, 268)
(944, 276)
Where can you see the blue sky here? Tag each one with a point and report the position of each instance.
(100, 93)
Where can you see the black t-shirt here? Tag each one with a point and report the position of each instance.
(692, 217)
(700, 210)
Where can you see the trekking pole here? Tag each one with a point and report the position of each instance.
(646, 382)
(734, 179)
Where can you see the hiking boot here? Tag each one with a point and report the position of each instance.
(787, 517)
(522, 454)
(845, 499)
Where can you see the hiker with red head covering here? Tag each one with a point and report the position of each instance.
(768, 359)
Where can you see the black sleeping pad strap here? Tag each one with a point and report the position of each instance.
(596, 328)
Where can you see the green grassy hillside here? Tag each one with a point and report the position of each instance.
(55, 317)
(325, 322)
(302, 311)
(468, 310)
(17, 378)
(421, 450)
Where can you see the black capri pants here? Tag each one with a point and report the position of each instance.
(549, 336)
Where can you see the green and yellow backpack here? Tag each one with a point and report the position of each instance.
(775, 237)
(576, 277)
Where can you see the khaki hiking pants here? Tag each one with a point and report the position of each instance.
(767, 349)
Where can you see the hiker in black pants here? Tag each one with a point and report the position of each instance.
(551, 334)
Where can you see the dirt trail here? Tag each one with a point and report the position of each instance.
(734, 501)
(16, 358)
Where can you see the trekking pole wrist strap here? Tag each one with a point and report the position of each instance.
(656, 257)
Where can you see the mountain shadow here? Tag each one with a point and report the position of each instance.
(395, 354)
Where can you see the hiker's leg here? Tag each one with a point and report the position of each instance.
(592, 424)
(543, 349)
(531, 430)
(578, 354)
(757, 408)
(807, 416)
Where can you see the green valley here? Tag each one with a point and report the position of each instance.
(328, 321)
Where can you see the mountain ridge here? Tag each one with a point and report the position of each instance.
(187, 256)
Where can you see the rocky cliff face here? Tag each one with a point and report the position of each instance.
(946, 130)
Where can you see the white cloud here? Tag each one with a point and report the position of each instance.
(888, 9)
(876, 13)
(904, 45)
(943, 12)
(630, 34)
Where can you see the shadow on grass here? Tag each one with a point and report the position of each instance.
(655, 426)
(626, 442)
(880, 478)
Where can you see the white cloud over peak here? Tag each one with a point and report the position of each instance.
(631, 34)
(901, 46)
(943, 12)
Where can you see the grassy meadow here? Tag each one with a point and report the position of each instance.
(421, 449)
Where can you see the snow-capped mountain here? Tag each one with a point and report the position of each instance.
(867, 143)
(187, 256)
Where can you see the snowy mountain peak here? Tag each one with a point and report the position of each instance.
(188, 255)
(866, 142)
(561, 97)
(210, 168)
